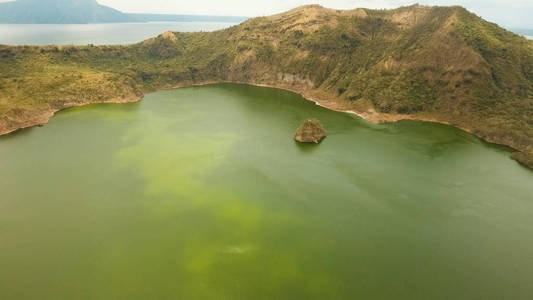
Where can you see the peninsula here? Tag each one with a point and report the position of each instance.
(439, 64)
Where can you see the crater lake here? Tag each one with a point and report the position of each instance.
(201, 193)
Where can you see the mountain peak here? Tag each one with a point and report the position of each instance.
(59, 11)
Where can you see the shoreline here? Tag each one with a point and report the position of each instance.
(45, 117)
(370, 116)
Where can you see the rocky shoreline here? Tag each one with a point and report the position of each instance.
(44, 117)
(369, 115)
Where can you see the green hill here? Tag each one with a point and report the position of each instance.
(441, 64)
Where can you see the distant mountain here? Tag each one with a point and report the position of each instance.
(60, 12)
(86, 11)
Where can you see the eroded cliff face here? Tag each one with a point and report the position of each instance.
(439, 64)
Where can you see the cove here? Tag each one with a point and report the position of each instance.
(201, 193)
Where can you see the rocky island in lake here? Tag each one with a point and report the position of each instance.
(311, 131)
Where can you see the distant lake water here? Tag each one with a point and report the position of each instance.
(97, 34)
(529, 37)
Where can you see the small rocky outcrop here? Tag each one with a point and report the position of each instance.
(311, 131)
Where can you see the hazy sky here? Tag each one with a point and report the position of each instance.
(508, 13)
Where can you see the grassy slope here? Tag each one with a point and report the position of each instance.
(429, 63)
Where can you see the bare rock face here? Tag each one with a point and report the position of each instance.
(311, 131)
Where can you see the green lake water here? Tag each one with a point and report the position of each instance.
(201, 193)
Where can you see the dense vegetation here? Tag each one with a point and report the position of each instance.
(429, 63)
